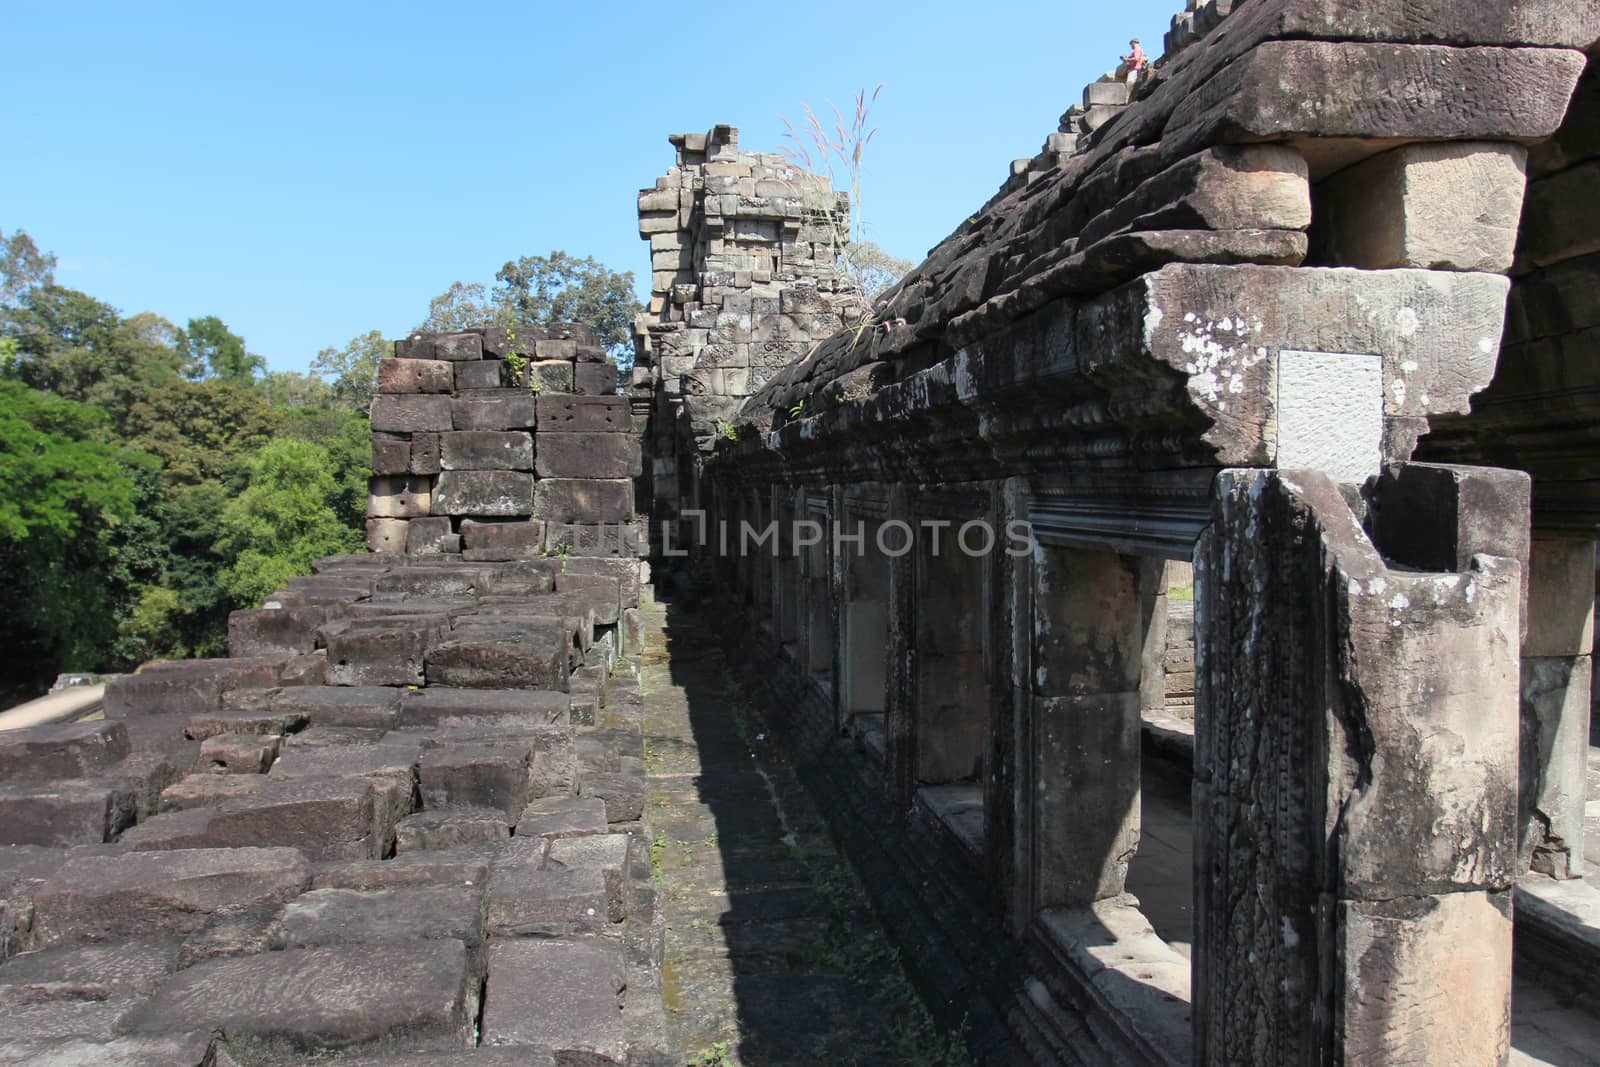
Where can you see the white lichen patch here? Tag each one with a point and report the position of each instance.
(1219, 355)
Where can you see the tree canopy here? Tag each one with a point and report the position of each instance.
(540, 290)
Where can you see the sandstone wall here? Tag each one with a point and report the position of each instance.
(500, 444)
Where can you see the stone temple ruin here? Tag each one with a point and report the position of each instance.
(1178, 595)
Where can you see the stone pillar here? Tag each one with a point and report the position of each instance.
(864, 621)
(899, 719)
(1556, 676)
(1152, 668)
(1090, 610)
(952, 697)
(1355, 798)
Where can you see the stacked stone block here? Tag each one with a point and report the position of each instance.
(460, 450)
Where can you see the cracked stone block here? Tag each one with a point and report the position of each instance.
(430, 537)
(332, 997)
(382, 652)
(134, 894)
(61, 750)
(262, 721)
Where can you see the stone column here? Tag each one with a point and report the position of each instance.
(1355, 794)
(900, 714)
(1089, 610)
(1556, 676)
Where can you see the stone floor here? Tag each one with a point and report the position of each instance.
(772, 954)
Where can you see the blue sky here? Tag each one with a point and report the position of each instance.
(309, 172)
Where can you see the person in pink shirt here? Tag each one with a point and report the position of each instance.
(1136, 61)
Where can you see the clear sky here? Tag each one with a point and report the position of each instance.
(309, 172)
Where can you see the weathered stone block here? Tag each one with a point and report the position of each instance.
(206, 790)
(621, 540)
(413, 869)
(387, 536)
(537, 661)
(425, 453)
(484, 493)
(1560, 598)
(542, 903)
(584, 414)
(71, 811)
(391, 453)
(428, 537)
(595, 379)
(472, 450)
(274, 631)
(441, 706)
(623, 794)
(381, 916)
(414, 348)
(259, 720)
(600, 593)
(399, 497)
(311, 999)
(563, 816)
(132, 894)
(550, 376)
(382, 651)
(337, 705)
(61, 750)
(238, 753)
(1438, 206)
(475, 775)
(586, 500)
(492, 541)
(561, 995)
(482, 374)
(415, 376)
(89, 972)
(456, 828)
(492, 409)
(588, 455)
(458, 346)
(409, 414)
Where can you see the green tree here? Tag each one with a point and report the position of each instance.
(285, 519)
(561, 288)
(23, 268)
(354, 369)
(464, 307)
(68, 490)
(540, 290)
(68, 343)
(871, 269)
(291, 389)
(211, 348)
(203, 431)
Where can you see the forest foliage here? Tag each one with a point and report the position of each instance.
(159, 476)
